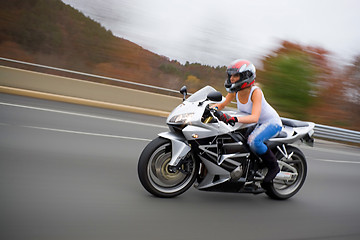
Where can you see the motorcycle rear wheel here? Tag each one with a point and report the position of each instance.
(285, 190)
(154, 174)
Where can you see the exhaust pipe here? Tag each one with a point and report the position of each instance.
(286, 176)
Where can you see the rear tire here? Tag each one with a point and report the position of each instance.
(285, 190)
(154, 174)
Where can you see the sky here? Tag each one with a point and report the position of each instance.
(213, 32)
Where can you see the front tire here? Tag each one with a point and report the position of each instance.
(284, 190)
(154, 174)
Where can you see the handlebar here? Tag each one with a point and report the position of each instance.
(219, 115)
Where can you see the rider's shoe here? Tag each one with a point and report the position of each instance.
(270, 162)
(266, 185)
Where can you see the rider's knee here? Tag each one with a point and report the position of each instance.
(257, 146)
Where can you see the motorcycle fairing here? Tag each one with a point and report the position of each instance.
(179, 147)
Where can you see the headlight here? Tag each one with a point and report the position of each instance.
(182, 118)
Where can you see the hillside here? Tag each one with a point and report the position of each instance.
(52, 33)
(299, 81)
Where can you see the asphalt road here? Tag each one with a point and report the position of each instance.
(69, 172)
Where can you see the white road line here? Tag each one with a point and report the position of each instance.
(144, 139)
(335, 161)
(87, 133)
(83, 115)
(329, 150)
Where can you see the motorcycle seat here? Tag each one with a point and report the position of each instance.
(294, 123)
(282, 134)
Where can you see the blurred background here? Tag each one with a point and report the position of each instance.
(306, 53)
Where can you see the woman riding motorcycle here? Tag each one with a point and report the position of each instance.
(250, 99)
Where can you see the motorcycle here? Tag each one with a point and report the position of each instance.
(203, 151)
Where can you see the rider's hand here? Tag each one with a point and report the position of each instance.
(216, 107)
(224, 117)
(232, 120)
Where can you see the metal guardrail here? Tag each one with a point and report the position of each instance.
(321, 131)
(334, 133)
(90, 75)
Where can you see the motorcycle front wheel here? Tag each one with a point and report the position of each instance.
(282, 190)
(154, 173)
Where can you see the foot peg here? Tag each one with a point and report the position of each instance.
(252, 188)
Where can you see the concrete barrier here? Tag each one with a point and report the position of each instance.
(51, 87)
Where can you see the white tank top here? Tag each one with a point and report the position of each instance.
(268, 113)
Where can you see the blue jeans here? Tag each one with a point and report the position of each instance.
(260, 134)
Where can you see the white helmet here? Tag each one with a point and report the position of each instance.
(247, 73)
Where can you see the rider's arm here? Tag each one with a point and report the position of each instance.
(229, 97)
(256, 108)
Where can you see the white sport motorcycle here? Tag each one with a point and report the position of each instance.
(215, 156)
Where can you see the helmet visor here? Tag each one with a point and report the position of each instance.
(243, 75)
(232, 71)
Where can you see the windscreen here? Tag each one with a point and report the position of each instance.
(201, 94)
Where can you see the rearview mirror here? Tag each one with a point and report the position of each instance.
(183, 91)
(215, 96)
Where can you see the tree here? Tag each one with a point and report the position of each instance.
(287, 78)
(193, 83)
(301, 82)
(352, 92)
(352, 86)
